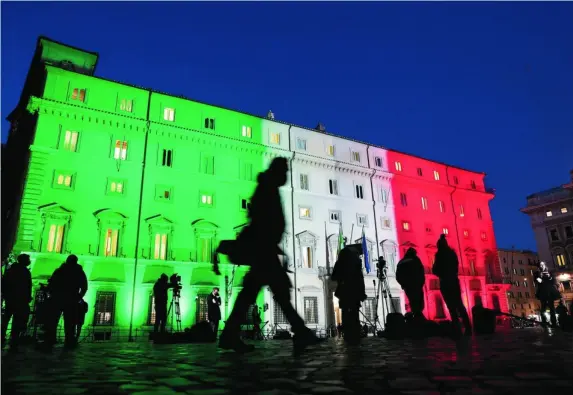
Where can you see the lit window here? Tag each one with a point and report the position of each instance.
(116, 187)
(356, 156)
(436, 175)
(330, 150)
(111, 239)
(71, 141)
(120, 151)
(362, 220)
(549, 214)
(424, 203)
(168, 114)
(406, 225)
(160, 250)
(304, 182)
(64, 180)
(333, 187)
(304, 212)
(386, 223)
(445, 231)
(55, 238)
(301, 144)
(79, 94)
(207, 200)
(246, 132)
(442, 206)
(483, 236)
(466, 234)
(275, 138)
(560, 259)
(462, 211)
(378, 161)
(398, 166)
(126, 105)
(563, 210)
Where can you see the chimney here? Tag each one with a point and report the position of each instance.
(270, 115)
(320, 127)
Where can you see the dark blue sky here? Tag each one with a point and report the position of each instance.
(487, 86)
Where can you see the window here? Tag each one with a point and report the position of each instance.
(205, 251)
(472, 265)
(560, 259)
(436, 175)
(506, 270)
(207, 164)
(304, 212)
(362, 219)
(445, 231)
(207, 200)
(466, 234)
(525, 284)
(483, 236)
(63, 180)
(330, 150)
(301, 144)
(160, 246)
(126, 105)
(428, 228)
(424, 203)
(386, 223)
(554, 235)
(456, 181)
(246, 132)
(163, 193)
(151, 311)
(55, 238)
(79, 95)
(310, 310)
(275, 138)
(549, 214)
(406, 225)
(169, 114)
(398, 166)
(368, 309)
(569, 231)
(359, 192)
(115, 186)
(209, 123)
(71, 141)
(378, 161)
(104, 308)
(462, 214)
(246, 171)
(334, 216)
(201, 307)
(563, 210)
(111, 241)
(384, 195)
(245, 204)
(307, 256)
(528, 296)
(442, 206)
(419, 171)
(514, 271)
(355, 156)
(479, 213)
(167, 158)
(403, 199)
(120, 151)
(473, 184)
(279, 316)
(304, 182)
(333, 187)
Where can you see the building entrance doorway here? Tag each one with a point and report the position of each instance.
(337, 311)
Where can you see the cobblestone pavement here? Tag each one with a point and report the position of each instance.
(524, 360)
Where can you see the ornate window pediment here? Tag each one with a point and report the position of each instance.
(307, 238)
(161, 235)
(307, 245)
(159, 221)
(470, 251)
(111, 225)
(54, 211)
(205, 240)
(431, 247)
(56, 221)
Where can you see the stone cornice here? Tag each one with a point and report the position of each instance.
(339, 166)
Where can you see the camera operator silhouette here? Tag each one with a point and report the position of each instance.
(411, 277)
(68, 286)
(214, 310)
(446, 268)
(257, 246)
(160, 299)
(350, 291)
(547, 293)
(17, 294)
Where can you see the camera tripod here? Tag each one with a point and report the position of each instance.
(175, 309)
(384, 289)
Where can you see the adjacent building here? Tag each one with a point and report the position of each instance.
(518, 268)
(551, 214)
(138, 182)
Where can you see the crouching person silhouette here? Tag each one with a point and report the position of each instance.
(350, 291)
(257, 246)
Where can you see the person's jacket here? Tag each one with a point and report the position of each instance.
(266, 213)
(17, 284)
(410, 272)
(347, 272)
(446, 264)
(68, 283)
(213, 309)
(160, 292)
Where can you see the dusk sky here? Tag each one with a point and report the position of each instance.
(485, 86)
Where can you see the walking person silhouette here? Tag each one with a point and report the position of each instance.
(257, 246)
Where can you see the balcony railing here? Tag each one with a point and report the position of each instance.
(552, 195)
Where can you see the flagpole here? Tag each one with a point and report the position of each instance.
(351, 233)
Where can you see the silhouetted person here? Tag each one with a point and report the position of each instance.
(82, 311)
(547, 293)
(446, 268)
(68, 285)
(214, 310)
(160, 298)
(410, 275)
(17, 294)
(258, 246)
(350, 291)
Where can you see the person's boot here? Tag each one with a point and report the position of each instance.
(229, 342)
(303, 339)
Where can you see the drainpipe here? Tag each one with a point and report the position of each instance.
(147, 131)
(458, 236)
(292, 217)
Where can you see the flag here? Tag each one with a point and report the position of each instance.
(340, 239)
(365, 252)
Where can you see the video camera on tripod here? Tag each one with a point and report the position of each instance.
(381, 268)
(175, 284)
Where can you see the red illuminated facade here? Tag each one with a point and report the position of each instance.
(431, 199)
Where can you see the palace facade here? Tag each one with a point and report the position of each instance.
(138, 183)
